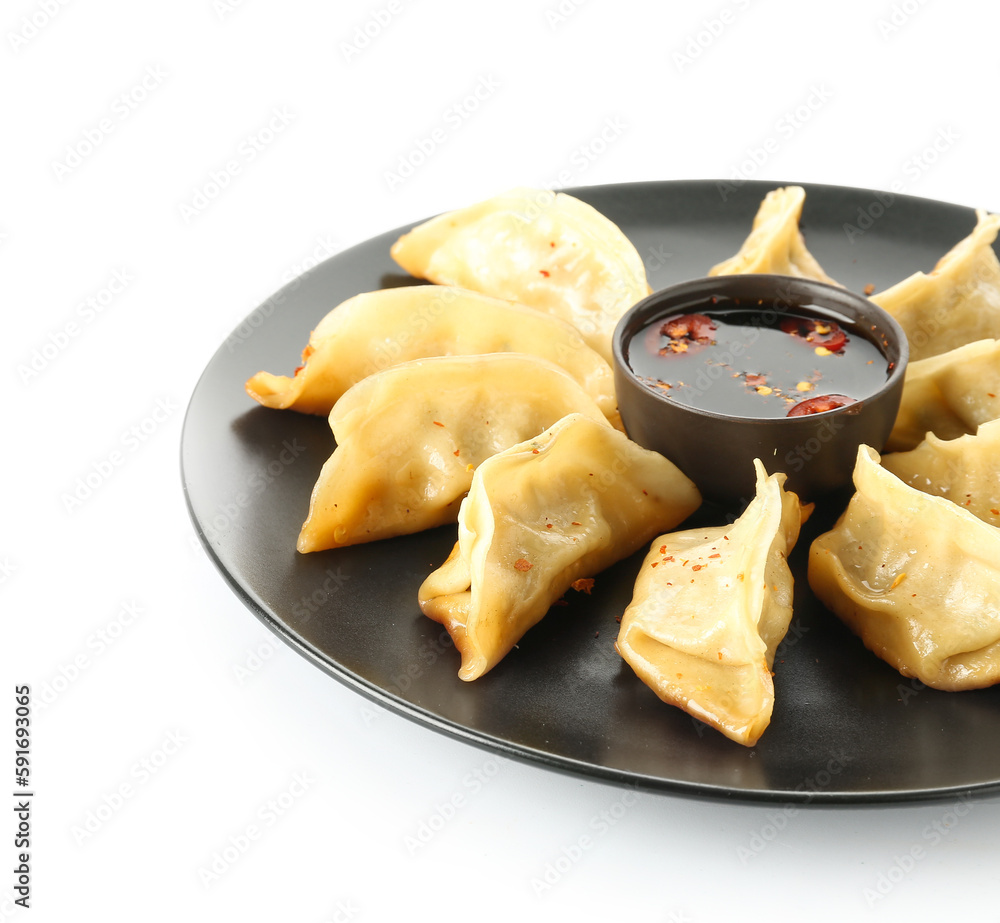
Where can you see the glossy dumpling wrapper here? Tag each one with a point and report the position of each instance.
(958, 302)
(965, 470)
(916, 577)
(710, 607)
(776, 244)
(541, 515)
(948, 395)
(376, 330)
(409, 438)
(544, 249)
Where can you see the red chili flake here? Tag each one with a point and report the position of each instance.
(663, 549)
(698, 566)
(522, 565)
(545, 272)
(548, 525)
(669, 557)
(715, 555)
(435, 422)
(820, 404)
(995, 512)
(455, 453)
(534, 451)
(574, 523)
(583, 585)
(552, 243)
(815, 332)
(988, 394)
(685, 331)
(869, 288)
(298, 369)
(754, 380)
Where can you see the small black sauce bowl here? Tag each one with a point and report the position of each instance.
(716, 450)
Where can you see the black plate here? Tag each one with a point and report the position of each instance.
(846, 727)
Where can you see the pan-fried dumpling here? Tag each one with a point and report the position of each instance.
(917, 577)
(958, 303)
(544, 249)
(541, 515)
(948, 395)
(775, 244)
(966, 470)
(376, 330)
(409, 438)
(709, 609)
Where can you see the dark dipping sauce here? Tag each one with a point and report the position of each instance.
(729, 358)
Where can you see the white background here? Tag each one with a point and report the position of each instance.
(691, 91)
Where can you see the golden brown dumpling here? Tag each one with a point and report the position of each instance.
(958, 303)
(409, 438)
(948, 395)
(709, 609)
(376, 330)
(775, 244)
(556, 508)
(543, 249)
(916, 577)
(966, 470)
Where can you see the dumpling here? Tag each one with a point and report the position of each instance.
(948, 395)
(966, 470)
(958, 303)
(917, 577)
(709, 609)
(775, 243)
(409, 438)
(376, 330)
(544, 249)
(541, 515)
